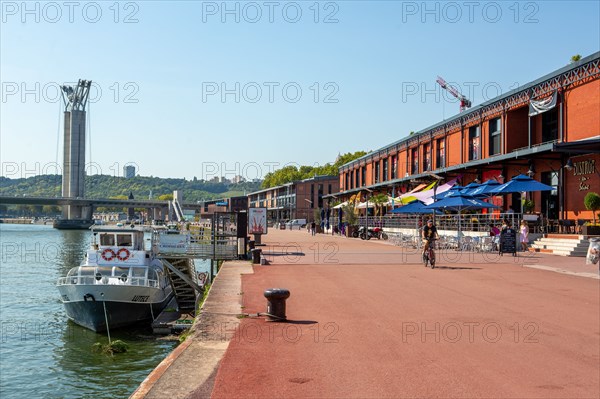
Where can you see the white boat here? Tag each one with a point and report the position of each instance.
(119, 282)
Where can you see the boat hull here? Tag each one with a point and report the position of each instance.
(125, 305)
(72, 224)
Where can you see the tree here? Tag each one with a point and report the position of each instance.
(575, 58)
(350, 214)
(592, 203)
(379, 200)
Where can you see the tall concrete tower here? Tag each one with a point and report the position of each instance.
(73, 181)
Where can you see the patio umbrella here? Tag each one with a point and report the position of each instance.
(339, 206)
(484, 189)
(459, 202)
(415, 207)
(520, 184)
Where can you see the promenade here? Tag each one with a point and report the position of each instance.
(367, 320)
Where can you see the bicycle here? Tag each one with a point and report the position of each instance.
(429, 255)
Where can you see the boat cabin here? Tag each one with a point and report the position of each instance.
(119, 237)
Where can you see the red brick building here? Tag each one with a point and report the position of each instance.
(296, 200)
(549, 128)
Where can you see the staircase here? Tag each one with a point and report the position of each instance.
(181, 273)
(561, 244)
(178, 210)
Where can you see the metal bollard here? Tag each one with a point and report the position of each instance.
(256, 255)
(276, 303)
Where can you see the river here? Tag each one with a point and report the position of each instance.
(42, 353)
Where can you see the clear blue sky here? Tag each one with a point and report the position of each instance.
(374, 66)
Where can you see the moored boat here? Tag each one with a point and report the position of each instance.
(119, 282)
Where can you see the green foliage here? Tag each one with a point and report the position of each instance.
(116, 346)
(350, 216)
(528, 206)
(576, 58)
(291, 173)
(379, 200)
(592, 203)
(104, 186)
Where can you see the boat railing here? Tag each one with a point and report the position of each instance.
(189, 244)
(106, 280)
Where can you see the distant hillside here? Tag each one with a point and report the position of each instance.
(104, 186)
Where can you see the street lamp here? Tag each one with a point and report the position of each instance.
(367, 211)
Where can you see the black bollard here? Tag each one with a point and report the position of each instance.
(256, 256)
(276, 303)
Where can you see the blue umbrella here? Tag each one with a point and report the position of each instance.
(415, 207)
(459, 202)
(520, 184)
(484, 189)
(453, 190)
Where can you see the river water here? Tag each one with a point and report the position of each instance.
(42, 353)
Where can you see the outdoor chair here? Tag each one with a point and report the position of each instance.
(467, 243)
(486, 244)
(580, 223)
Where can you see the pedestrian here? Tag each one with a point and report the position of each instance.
(510, 210)
(313, 228)
(495, 234)
(524, 235)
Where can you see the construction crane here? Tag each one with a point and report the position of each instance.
(464, 101)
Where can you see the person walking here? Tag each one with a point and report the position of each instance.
(524, 235)
(313, 228)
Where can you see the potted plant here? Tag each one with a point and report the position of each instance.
(350, 218)
(592, 203)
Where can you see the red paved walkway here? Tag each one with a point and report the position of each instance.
(369, 321)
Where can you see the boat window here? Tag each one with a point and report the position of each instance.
(118, 271)
(124, 240)
(87, 271)
(152, 274)
(138, 272)
(107, 239)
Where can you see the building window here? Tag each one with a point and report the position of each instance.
(363, 177)
(320, 195)
(312, 195)
(357, 178)
(473, 143)
(495, 136)
(550, 125)
(427, 157)
(415, 161)
(441, 153)
(385, 170)
(347, 181)
(376, 172)
(394, 167)
(352, 179)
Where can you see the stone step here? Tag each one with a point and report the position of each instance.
(547, 244)
(565, 236)
(560, 252)
(567, 241)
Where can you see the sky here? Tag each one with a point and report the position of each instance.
(188, 89)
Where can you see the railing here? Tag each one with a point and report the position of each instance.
(197, 244)
(470, 222)
(106, 280)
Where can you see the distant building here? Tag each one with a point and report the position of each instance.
(237, 179)
(295, 200)
(128, 171)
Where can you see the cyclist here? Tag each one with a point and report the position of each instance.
(429, 233)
